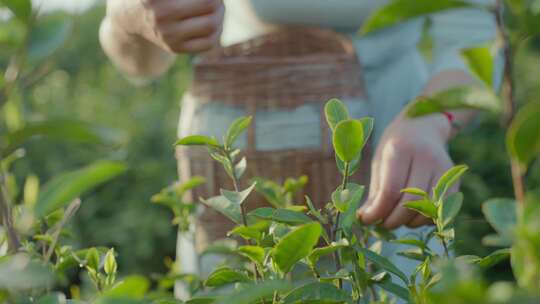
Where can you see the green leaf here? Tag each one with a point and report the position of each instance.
(447, 181)
(296, 245)
(399, 11)
(382, 262)
(335, 112)
(240, 168)
(253, 293)
(394, 288)
(226, 207)
(349, 217)
(367, 127)
(110, 265)
(63, 129)
(426, 44)
(48, 36)
(132, 287)
(64, 188)
(314, 211)
(190, 184)
(410, 242)
(201, 300)
(22, 9)
(494, 258)
(238, 197)
(480, 62)
(317, 293)
(53, 298)
(19, 272)
(523, 137)
(343, 199)
(92, 258)
(319, 252)
(281, 216)
(254, 253)
(246, 232)
(236, 128)
(460, 97)
(501, 214)
(415, 191)
(354, 165)
(450, 208)
(225, 276)
(424, 207)
(348, 139)
(198, 140)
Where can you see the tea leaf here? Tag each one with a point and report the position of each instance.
(226, 207)
(461, 97)
(317, 253)
(62, 129)
(349, 217)
(343, 199)
(317, 293)
(53, 298)
(447, 181)
(198, 140)
(501, 214)
(92, 258)
(382, 262)
(225, 276)
(131, 287)
(523, 137)
(450, 208)
(336, 112)
(354, 165)
(19, 272)
(296, 245)
(63, 189)
(399, 11)
(480, 62)
(348, 139)
(254, 253)
(410, 242)
(367, 126)
(237, 197)
(22, 9)
(415, 191)
(394, 288)
(110, 265)
(281, 215)
(424, 207)
(240, 168)
(494, 258)
(236, 128)
(48, 36)
(253, 293)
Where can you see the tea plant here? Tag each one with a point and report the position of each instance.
(291, 252)
(284, 260)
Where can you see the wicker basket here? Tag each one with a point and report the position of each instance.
(285, 69)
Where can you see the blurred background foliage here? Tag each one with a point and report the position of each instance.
(79, 82)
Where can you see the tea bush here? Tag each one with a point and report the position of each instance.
(273, 254)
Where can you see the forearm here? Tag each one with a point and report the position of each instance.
(132, 54)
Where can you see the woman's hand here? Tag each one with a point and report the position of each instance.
(411, 153)
(176, 26)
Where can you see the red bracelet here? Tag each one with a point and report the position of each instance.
(451, 120)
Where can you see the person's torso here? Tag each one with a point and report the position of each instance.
(246, 19)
